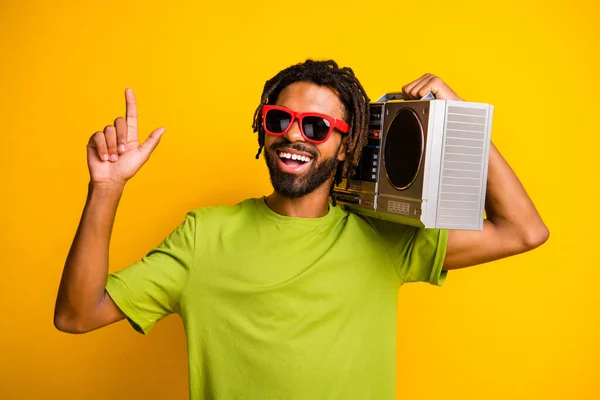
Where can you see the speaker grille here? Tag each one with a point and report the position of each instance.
(463, 161)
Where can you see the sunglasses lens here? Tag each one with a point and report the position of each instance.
(315, 128)
(277, 121)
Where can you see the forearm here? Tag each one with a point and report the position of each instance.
(83, 281)
(508, 205)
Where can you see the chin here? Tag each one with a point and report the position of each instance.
(301, 182)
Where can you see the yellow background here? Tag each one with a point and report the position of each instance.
(527, 327)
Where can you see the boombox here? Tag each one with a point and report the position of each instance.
(425, 163)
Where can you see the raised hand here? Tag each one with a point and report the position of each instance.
(115, 154)
(429, 83)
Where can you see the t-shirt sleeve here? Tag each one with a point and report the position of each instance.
(149, 289)
(418, 253)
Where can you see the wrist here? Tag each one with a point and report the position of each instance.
(106, 186)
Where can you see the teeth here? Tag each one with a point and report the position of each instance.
(294, 157)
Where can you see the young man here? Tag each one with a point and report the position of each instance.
(287, 296)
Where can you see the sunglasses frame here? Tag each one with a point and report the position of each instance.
(334, 123)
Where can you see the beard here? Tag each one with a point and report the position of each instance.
(293, 186)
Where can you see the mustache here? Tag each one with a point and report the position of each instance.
(285, 144)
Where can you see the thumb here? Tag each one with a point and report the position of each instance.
(151, 142)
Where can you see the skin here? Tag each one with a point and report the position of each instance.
(308, 97)
(115, 155)
(513, 224)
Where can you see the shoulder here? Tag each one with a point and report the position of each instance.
(358, 224)
(394, 233)
(208, 215)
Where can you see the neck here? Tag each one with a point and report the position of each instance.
(312, 205)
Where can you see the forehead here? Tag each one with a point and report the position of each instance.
(310, 97)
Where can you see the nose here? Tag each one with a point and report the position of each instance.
(293, 134)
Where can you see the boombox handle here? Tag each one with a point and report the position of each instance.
(400, 96)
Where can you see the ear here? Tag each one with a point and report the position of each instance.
(341, 154)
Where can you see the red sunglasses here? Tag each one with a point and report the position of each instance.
(315, 127)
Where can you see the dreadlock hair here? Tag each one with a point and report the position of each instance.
(350, 92)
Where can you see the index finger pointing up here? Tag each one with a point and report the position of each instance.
(132, 117)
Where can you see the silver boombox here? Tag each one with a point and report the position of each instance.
(425, 163)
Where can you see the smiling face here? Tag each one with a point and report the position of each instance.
(298, 167)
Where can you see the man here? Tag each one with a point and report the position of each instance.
(288, 296)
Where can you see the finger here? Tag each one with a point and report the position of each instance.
(121, 126)
(98, 142)
(151, 142)
(408, 89)
(131, 114)
(110, 134)
(442, 91)
(427, 86)
(421, 86)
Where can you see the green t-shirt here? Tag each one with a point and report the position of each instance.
(276, 307)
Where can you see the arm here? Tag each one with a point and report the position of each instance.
(513, 224)
(114, 156)
(82, 303)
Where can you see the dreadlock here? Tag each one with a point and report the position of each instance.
(351, 93)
